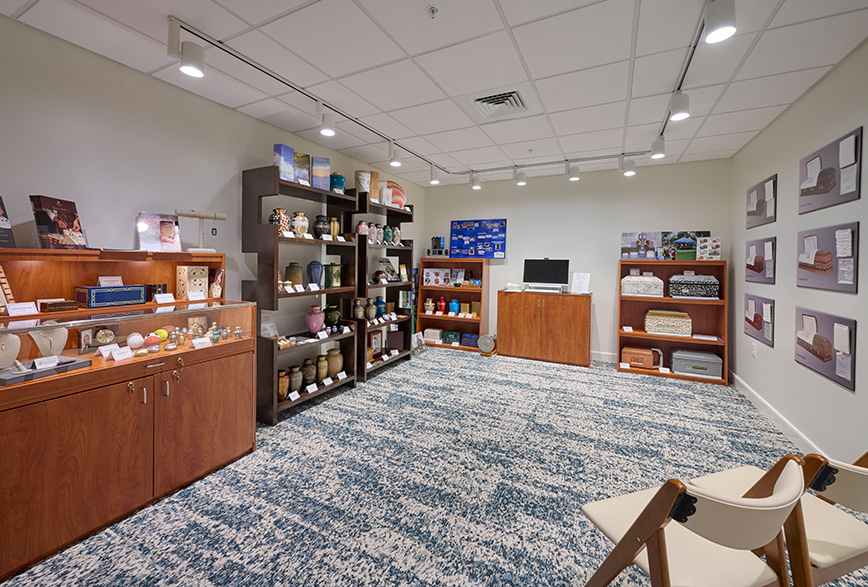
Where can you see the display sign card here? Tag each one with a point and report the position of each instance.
(45, 362)
(451, 314)
(122, 353)
(201, 343)
(342, 375)
(111, 281)
(167, 309)
(22, 309)
(341, 239)
(22, 323)
(299, 288)
(624, 365)
(327, 381)
(322, 334)
(628, 329)
(268, 328)
(310, 388)
(394, 352)
(478, 239)
(393, 328)
(294, 396)
(287, 234)
(580, 283)
(313, 287)
(308, 236)
(454, 344)
(665, 370)
(369, 365)
(326, 237)
(429, 313)
(106, 350)
(195, 296)
(164, 298)
(438, 313)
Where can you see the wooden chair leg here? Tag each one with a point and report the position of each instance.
(658, 562)
(797, 548)
(776, 558)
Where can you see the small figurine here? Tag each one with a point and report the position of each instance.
(238, 332)
(215, 337)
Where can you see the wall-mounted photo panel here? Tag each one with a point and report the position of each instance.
(828, 258)
(827, 344)
(831, 175)
(762, 202)
(760, 260)
(759, 318)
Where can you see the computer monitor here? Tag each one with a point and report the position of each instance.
(546, 273)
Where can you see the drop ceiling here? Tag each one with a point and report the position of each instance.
(600, 72)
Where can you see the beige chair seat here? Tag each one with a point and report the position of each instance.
(693, 560)
(833, 535)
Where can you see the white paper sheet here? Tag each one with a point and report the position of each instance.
(844, 243)
(842, 338)
(768, 251)
(767, 331)
(751, 253)
(770, 207)
(580, 283)
(848, 179)
(751, 307)
(770, 268)
(767, 312)
(752, 200)
(845, 271)
(770, 189)
(847, 152)
(843, 365)
(813, 169)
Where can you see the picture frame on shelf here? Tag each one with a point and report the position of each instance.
(402, 269)
(389, 269)
(435, 276)
(375, 342)
(457, 275)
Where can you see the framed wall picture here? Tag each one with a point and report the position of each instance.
(762, 202)
(831, 175)
(759, 318)
(829, 258)
(827, 344)
(57, 224)
(760, 260)
(7, 239)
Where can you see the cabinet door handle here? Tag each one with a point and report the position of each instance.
(544, 303)
(167, 388)
(537, 303)
(145, 391)
(154, 365)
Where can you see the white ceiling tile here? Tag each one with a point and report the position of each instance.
(521, 129)
(745, 120)
(585, 88)
(603, 139)
(265, 107)
(702, 100)
(226, 63)
(519, 11)
(715, 64)
(650, 109)
(358, 131)
(643, 135)
(537, 148)
(496, 175)
(388, 125)
(335, 36)
(300, 102)
(417, 177)
(214, 86)
(150, 18)
(672, 149)
(411, 25)
(795, 47)
(687, 158)
(587, 154)
(275, 57)
(428, 118)
(683, 129)
(455, 140)
(8, 7)
(393, 86)
(667, 24)
(336, 94)
(341, 140)
(656, 74)
(769, 91)
(444, 160)
(751, 15)
(794, 11)
(545, 171)
(419, 145)
(720, 142)
(97, 33)
(598, 34)
(261, 10)
(520, 161)
(581, 120)
(366, 153)
(491, 156)
(279, 114)
(476, 65)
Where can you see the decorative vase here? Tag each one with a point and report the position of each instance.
(322, 368)
(381, 306)
(279, 216)
(398, 196)
(321, 226)
(387, 235)
(282, 385)
(333, 275)
(294, 378)
(429, 305)
(441, 304)
(314, 272)
(308, 373)
(299, 224)
(396, 236)
(370, 309)
(337, 183)
(293, 274)
(363, 181)
(315, 319)
(335, 361)
(358, 308)
(379, 233)
(372, 231)
(334, 227)
(454, 306)
(362, 227)
(332, 316)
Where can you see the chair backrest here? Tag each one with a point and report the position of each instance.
(850, 488)
(745, 523)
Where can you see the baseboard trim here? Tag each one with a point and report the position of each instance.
(756, 398)
(604, 356)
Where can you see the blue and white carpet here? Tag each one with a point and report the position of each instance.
(450, 470)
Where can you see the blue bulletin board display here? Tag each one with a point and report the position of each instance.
(478, 239)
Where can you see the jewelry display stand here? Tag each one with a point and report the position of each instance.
(64, 364)
(10, 345)
(50, 342)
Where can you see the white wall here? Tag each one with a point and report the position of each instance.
(828, 415)
(583, 221)
(77, 126)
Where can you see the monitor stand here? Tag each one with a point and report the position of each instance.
(544, 288)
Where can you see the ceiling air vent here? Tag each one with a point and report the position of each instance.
(500, 105)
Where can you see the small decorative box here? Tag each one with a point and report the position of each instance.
(451, 336)
(668, 322)
(470, 339)
(433, 334)
(191, 279)
(697, 363)
(642, 285)
(640, 357)
(103, 297)
(694, 286)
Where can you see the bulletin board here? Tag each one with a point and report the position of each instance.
(478, 239)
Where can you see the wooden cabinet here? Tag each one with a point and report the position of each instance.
(476, 323)
(543, 326)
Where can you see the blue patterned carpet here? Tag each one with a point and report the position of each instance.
(450, 470)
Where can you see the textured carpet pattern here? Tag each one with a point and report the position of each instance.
(452, 469)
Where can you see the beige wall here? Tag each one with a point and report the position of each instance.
(828, 415)
(583, 221)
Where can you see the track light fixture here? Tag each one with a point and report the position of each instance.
(475, 181)
(519, 176)
(679, 106)
(658, 148)
(192, 59)
(571, 171)
(394, 155)
(719, 20)
(629, 168)
(326, 119)
(434, 179)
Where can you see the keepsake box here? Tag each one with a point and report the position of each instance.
(103, 297)
(642, 285)
(470, 339)
(697, 363)
(668, 322)
(694, 286)
(641, 357)
(433, 334)
(451, 336)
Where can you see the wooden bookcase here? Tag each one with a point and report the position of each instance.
(709, 316)
(464, 294)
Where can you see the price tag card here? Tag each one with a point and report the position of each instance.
(287, 234)
(438, 313)
(370, 242)
(195, 296)
(462, 315)
(106, 350)
(308, 236)
(313, 287)
(624, 365)
(394, 316)
(381, 320)
(393, 328)
(345, 329)
(322, 334)
(429, 313)
(342, 375)
(665, 370)
(394, 352)
(369, 365)
(451, 314)
(327, 381)
(22, 309)
(111, 281)
(190, 307)
(635, 271)
(454, 344)
(23, 324)
(294, 396)
(385, 358)
(326, 237)
(341, 239)
(201, 343)
(298, 288)
(45, 362)
(648, 273)
(628, 329)
(122, 353)
(166, 309)
(690, 273)
(310, 388)
(165, 298)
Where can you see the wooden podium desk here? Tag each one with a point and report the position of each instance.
(544, 326)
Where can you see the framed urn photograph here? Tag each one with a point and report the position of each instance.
(375, 342)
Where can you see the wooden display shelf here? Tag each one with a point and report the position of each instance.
(452, 288)
(671, 338)
(390, 284)
(656, 373)
(304, 395)
(476, 319)
(460, 347)
(671, 300)
(388, 247)
(315, 241)
(113, 311)
(314, 342)
(379, 362)
(325, 290)
(393, 214)
(370, 326)
(265, 181)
